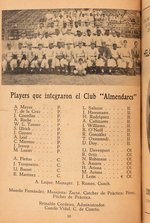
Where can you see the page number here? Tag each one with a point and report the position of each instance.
(69, 216)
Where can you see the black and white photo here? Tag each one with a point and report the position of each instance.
(68, 44)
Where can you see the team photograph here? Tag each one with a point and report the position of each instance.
(70, 46)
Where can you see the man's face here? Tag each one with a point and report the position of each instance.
(9, 46)
(51, 46)
(68, 31)
(79, 22)
(98, 32)
(114, 34)
(125, 43)
(114, 46)
(20, 46)
(103, 44)
(35, 35)
(92, 45)
(79, 33)
(23, 35)
(136, 44)
(80, 62)
(30, 46)
(29, 37)
(107, 33)
(89, 32)
(41, 25)
(57, 32)
(86, 24)
(40, 46)
(68, 47)
(52, 25)
(46, 35)
(76, 24)
(63, 44)
(80, 44)
(118, 35)
(59, 44)
(65, 25)
(71, 25)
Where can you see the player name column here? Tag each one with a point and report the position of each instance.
(94, 159)
(103, 142)
(32, 142)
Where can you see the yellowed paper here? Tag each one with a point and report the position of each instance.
(70, 142)
(145, 110)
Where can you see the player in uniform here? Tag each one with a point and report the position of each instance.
(16, 62)
(79, 38)
(86, 25)
(113, 60)
(24, 64)
(92, 56)
(38, 58)
(51, 28)
(69, 38)
(41, 29)
(23, 39)
(57, 37)
(107, 38)
(125, 62)
(45, 40)
(104, 55)
(135, 52)
(98, 38)
(80, 52)
(60, 61)
(118, 39)
(64, 29)
(36, 40)
(88, 38)
(6, 58)
(48, 61)
(75, 28)
(80, 68)
(30, 54)
(69, 55)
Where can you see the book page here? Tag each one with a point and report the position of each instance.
(70, 111)
(146, 110)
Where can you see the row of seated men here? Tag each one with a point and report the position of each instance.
(81, 54)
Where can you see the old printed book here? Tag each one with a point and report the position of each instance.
(75, 111)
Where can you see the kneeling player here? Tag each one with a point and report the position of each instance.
(48, 60)
(80, 68)
(38, 58)
(24, 64)
(30, 53)
(15, 63)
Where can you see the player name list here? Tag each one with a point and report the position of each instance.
(92, 143)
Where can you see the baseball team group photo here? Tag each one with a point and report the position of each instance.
(70, 46)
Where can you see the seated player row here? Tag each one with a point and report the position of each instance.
(71, 60)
